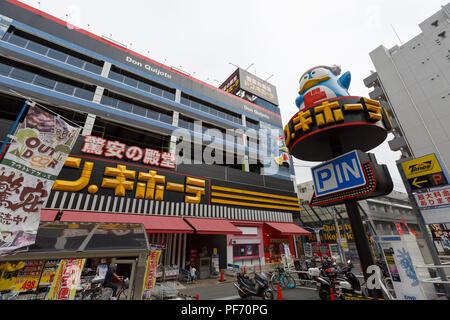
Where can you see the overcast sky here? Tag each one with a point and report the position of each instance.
(282, 38)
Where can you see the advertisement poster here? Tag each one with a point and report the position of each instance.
(402, 255)
(25, 275)
(37, 153)
(66, 280)
(287, 255)
(150, 271)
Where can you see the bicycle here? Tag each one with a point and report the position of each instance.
(122, 293)
(283, 278)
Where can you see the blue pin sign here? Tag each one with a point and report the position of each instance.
(340, 174)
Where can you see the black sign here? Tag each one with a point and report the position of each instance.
(428, 181)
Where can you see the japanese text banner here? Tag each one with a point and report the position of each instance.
(66, 280)
(37, 153)
(150, 273)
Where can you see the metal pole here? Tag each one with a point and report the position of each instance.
(13, 127)
(361, 241)
(338, 234)
(423, 229)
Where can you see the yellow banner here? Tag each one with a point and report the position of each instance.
(150, 273)
(421, 166)
(66, 279)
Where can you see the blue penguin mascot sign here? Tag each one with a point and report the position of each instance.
(322, 83)
(331, 122)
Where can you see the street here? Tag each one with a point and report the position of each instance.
(227, 291)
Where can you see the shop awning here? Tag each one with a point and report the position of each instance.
(212, 226)
(288, 228)
(152, 224)
(48, 215)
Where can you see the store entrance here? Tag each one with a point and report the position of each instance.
(203, 253)
(126, 269)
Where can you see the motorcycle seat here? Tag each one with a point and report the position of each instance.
(247, 280)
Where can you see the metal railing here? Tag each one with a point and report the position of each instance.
(433, 286)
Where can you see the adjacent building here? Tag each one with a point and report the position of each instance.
(382, 216)
(139, 117)
(412, 81)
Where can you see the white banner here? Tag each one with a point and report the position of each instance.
(33, 162)
(434, 205)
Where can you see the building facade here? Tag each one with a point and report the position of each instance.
(412, 81)
(382, 216)
(139, 118)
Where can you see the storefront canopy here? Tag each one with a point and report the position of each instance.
(288, 228)
(48, 215)
(152, 224)
(212, 226)
(63, 240)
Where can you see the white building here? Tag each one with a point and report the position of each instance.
(413, 83)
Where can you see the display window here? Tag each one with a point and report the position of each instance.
(246, 251)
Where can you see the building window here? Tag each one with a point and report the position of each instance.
(246, 251)
(141, 83)
(44, 79)
(211, 109)
(52, 50)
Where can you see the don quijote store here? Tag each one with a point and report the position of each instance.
(121, 191)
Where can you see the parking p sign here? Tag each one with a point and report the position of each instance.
(340, 174)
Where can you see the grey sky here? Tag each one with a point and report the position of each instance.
(279, 37)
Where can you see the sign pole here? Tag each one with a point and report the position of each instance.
(361, 241)
(423, 229)
(359, 234)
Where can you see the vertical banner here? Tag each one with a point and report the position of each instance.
(38, 151)
(402, 254)
(66, 280)
(150, 271)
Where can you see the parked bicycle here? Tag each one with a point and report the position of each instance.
(281, 276)
(122, 293)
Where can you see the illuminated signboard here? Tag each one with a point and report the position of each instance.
(250, 83)
(424, 172)
(231, 85)
(356, 175)
(338, 175)
(348, 122)
(103, 167)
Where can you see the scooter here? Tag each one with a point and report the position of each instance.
(257, 287)
(329, 276)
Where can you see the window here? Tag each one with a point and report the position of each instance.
(57, 55)
(36, 47)
(130, 82)
(245, 251)
(84, 94)
(44, 82)
(75, 62)
(141, 83)
(18, 41)
(22, 75)
(144, 87)
(93, 68)
(65, 88)
(4, 69)
(53, 50)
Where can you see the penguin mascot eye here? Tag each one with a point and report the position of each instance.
(319, 73)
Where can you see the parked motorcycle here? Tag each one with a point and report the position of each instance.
(330, 276)
(257, 287)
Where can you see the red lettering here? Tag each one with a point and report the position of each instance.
(437, 178)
